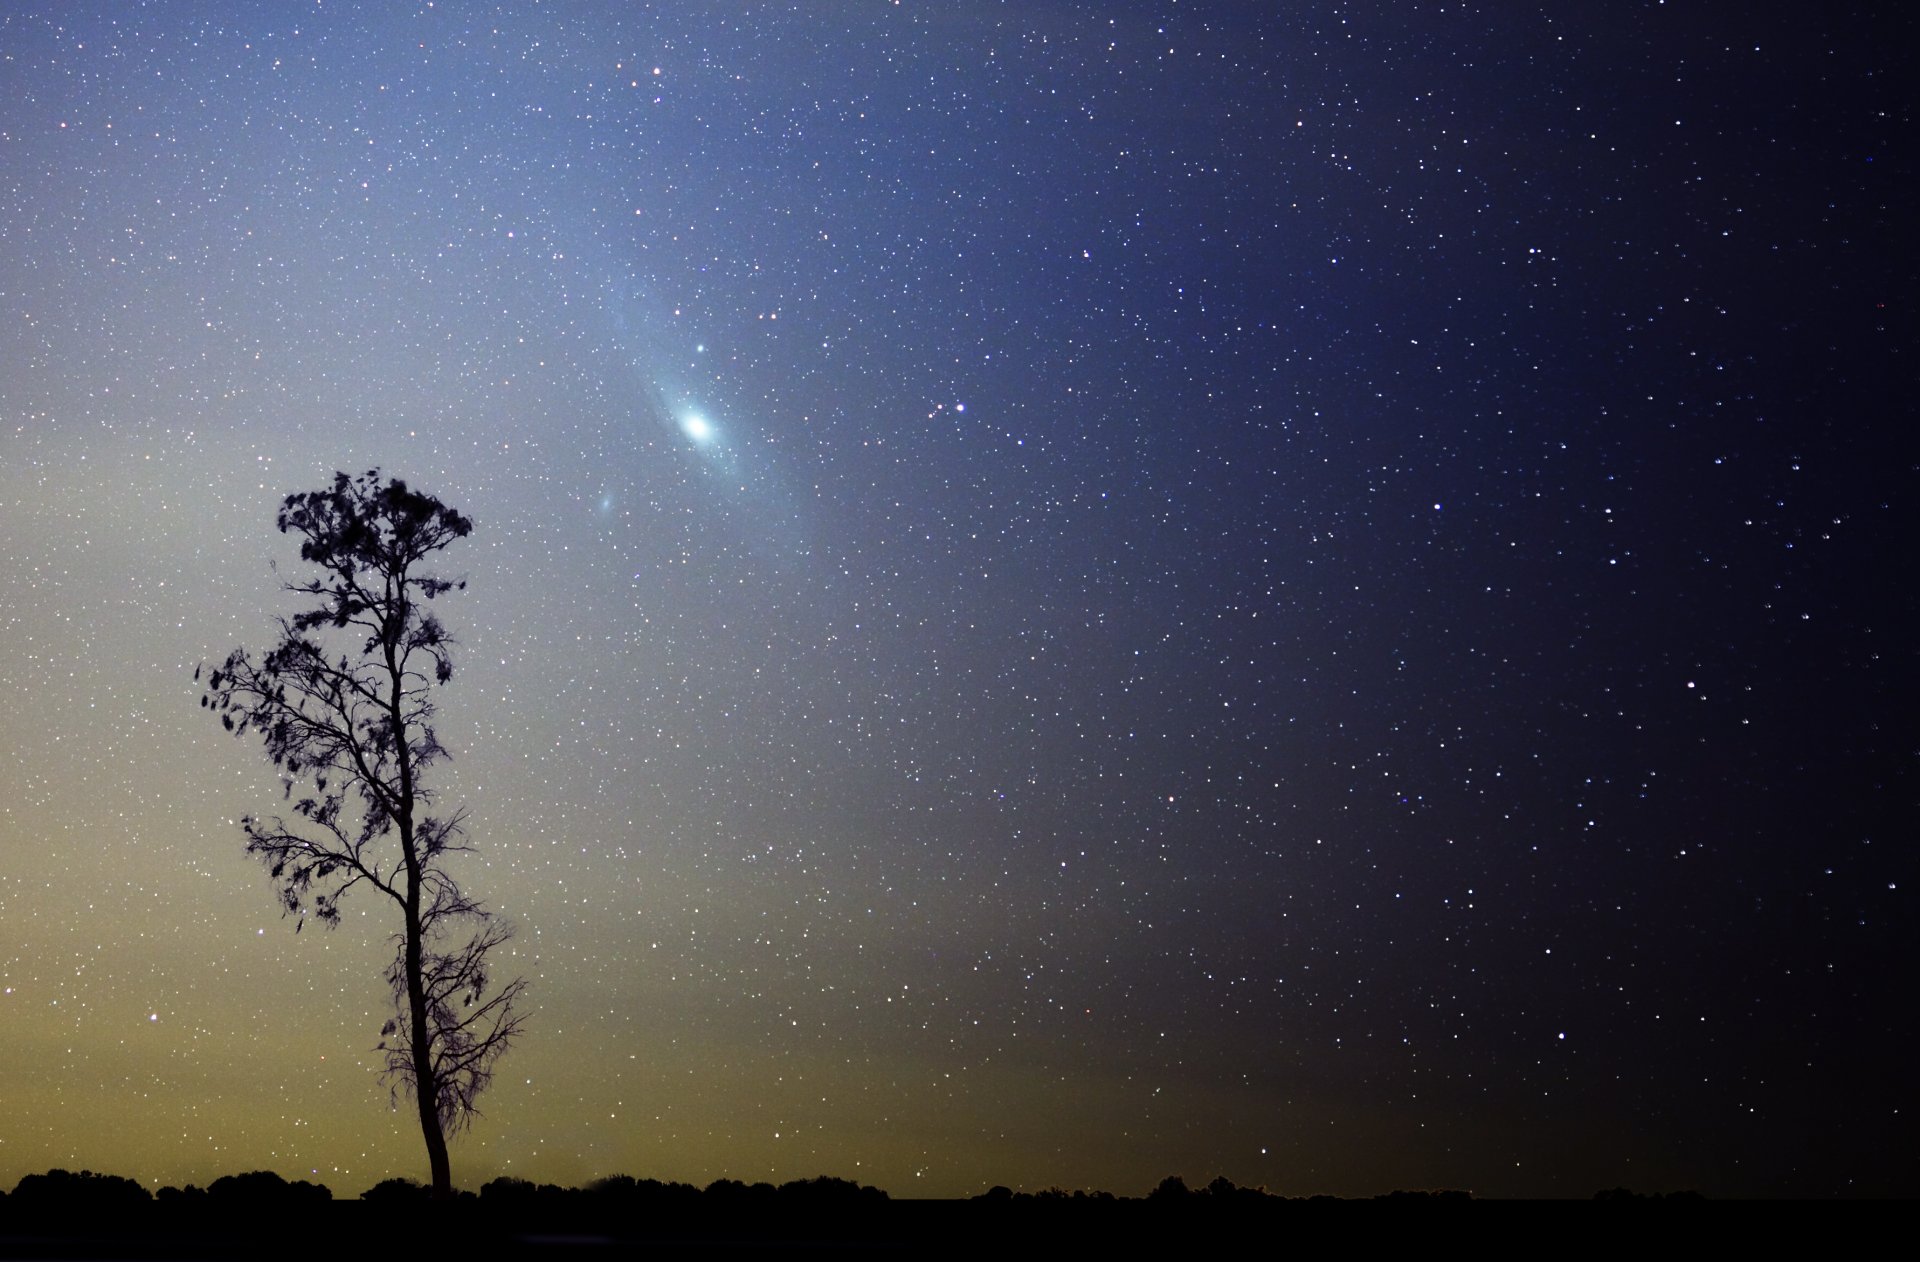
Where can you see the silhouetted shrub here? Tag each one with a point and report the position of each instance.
(1224, 1193)
(630, 1197)
(61, 1193)
(734, 1198)
(265, 1190)
(188, 1197)
(825, 1192)
(508, 1191)
(1171, 1191)
(390, 1192)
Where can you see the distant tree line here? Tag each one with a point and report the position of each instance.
(92, 1194)
(235, 1213)
(262, 1189)
(1223, 1193)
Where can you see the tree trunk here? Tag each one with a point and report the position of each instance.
(426, 1088)
(426, 1092)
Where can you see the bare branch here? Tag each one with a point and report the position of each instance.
(468, 1028)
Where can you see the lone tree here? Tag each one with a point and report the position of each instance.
(344, 706)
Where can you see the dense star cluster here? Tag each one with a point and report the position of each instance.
(1060, 592)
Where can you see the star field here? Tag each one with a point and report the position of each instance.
(1061, 592)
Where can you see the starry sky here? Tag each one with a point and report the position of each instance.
(1062, 591)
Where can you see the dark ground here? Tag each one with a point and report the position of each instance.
(349, 1228)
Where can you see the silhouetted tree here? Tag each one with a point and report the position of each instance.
(344, 705)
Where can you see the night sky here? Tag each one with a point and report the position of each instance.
(1062, 592)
